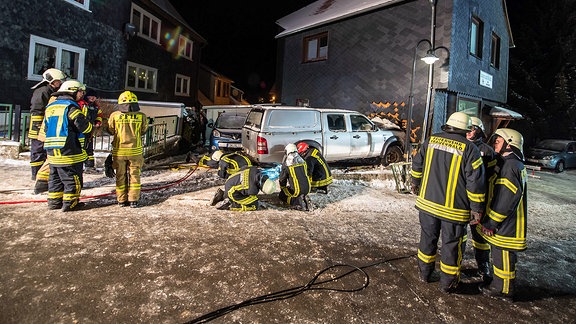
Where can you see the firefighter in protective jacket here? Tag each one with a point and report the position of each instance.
(294, 180)
(448, 176)
(63, 126)
(128, 125)
(230, 163)
(504, 226)
(318, 169)
(51, 81)
(241, 189)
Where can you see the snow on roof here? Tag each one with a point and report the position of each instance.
(325, 11)
(501, 112)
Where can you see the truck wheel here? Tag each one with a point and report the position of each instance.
(392, 155)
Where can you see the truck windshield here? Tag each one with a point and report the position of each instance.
(230, 121)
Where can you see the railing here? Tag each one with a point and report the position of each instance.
(154, 141)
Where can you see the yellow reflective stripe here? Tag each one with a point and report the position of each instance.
(448, 269)
(37, 163)
(426, 258)
(59, 159)
(480, 197)
(496, 216)
(452, 180)
(505, 182)
(476, 164)
(480, 246)
(506, 242)
(492, 163)
(425, 176)
(321, 183)
(458, 215)
(415, 174)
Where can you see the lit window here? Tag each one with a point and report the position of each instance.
(469, 106)
(84, 4)
(185, 47)
(146, 24)
(495, 51)
(140, 77)
(476, 40)
(182, 85)
(316, 48)
(46, 53)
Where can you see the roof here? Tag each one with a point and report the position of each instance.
(325, 11)
(168, 8)
(501, 112)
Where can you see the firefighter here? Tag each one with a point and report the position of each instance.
(227, 164)
(448, 177)
(318, 169)
(504, 226)
(128, 125)
(241, 189)
(294, 180)
(481, 247)
(63, 126)
(94, 114)
(51, 81)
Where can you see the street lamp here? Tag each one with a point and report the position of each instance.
(429, 59)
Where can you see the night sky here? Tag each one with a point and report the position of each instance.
(240, 35)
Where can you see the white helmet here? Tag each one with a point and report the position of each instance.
(460, 120)
(269, 186)
(512, 137)
(291, 148)
(477, 122)
(50, 76)
(71, 86)
(217, 155)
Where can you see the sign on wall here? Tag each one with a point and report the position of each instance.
(485, 79)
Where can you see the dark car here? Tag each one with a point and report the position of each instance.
(226, 132)
(553, 154)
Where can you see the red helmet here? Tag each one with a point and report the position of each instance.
(302, 147)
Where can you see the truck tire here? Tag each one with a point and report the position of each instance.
(392, 155)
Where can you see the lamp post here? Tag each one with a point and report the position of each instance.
(429, 59)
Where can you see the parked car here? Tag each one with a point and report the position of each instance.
(553, 154)
(226, 132)
(341, 135)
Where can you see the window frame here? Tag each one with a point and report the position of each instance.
(182, 49)
(141, 67)
(321, 51)
(59, 46)
(495, 45)
(180, 78)
(476, 37)
(85, 4)
(140, 25)
(467, 109)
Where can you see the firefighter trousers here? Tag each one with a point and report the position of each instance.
(453, 238)
(64, 186)
(128, 170)
(504, 262)
(37, 156)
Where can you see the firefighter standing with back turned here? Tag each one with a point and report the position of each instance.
(448, 177)
(128, 125)
(505, 223)
(63, 126)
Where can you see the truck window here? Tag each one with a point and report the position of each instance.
(336, 122)
(360, 123)
(294, 119)
(255, 118)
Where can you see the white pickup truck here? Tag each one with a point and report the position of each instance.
(340, 134)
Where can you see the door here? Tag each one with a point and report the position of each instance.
(360, 138)
(336, 137)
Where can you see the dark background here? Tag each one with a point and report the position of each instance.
(542, 72)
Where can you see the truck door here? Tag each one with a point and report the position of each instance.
(360, 137)
(336, 137)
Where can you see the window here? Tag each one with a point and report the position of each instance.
(140, 77)
(495, 51)
(360, 123)
(185, 47)
(336, 123)
(469, 106)
(46, 53)
(316, 48)
(182, 85)
(84, 4)
(476, 41)
(146, 24)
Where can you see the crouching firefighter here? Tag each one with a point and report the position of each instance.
(241, 189)
(64, 126)
(294, 180)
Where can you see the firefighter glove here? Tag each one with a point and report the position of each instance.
(487, 231)
(475, 217)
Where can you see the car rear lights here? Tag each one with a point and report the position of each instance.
(261, 145)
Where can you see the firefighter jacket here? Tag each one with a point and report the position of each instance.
(507, 208)
(38, 104)
(243, 186)
(448, 170)
(318, 169)
(231, 163)
(92, 111)
(488, 157)
(63, 127)
(128, 129)
(294, 176)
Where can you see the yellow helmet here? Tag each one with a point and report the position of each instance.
(477, 122)
(460, 120)
(71, 86)
(269, 186)
(512, 137)
(127, 97)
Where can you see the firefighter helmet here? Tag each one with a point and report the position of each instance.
(52, 74)
(269, 186)
(71, 86)
(512, 137)
(127, 97)
(302, 147)
(477, 122)
(460, 120)
(291, 148)
(217, 155)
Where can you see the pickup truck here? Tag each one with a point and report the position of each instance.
(341, 135)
